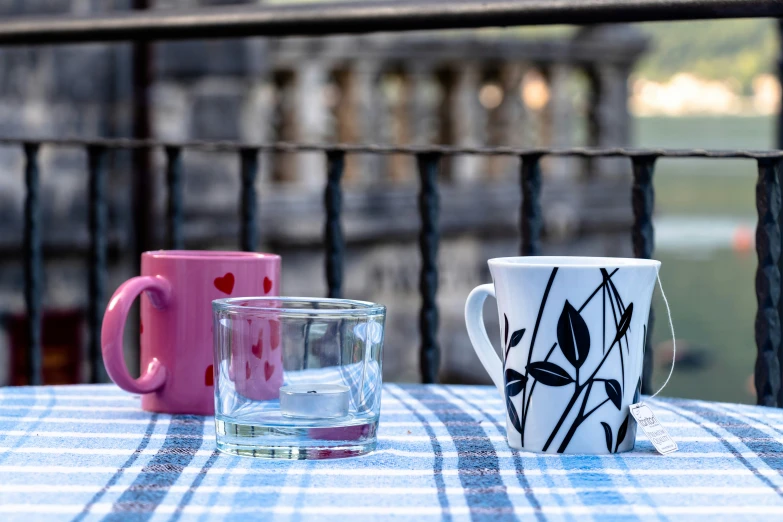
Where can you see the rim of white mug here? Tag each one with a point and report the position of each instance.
(574, 262)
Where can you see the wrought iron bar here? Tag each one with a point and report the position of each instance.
(779, 175)
(643, 237)
(768, 280)
(249, 206)
(316, 19)
(429, 207)
(96, 163)
(779, 126)
(32, 265)
(144, 189)
(333, 233)
(531, 217)
(174, 212)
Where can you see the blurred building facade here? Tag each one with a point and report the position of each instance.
(419, 89)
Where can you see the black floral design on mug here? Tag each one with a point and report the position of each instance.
(575, 344)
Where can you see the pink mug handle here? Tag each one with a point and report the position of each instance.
(159, 292)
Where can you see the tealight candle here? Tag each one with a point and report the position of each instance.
(314, 401)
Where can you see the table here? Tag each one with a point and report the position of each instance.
(89, 453)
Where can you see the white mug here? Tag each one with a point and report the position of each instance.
(572, 332)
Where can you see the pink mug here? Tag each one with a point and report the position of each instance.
(178, 287)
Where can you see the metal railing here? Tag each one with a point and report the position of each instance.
(319, 19)
(322, 19)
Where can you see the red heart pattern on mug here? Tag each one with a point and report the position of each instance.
(258, 348)
(274, 334)
(267, 285)
(209, 376)
(268, 370)
(225, 284)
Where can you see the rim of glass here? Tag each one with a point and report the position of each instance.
(574, 261)
(233, 305)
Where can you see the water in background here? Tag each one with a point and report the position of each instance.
(705, 228)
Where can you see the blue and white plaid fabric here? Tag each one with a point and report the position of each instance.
(89, 453)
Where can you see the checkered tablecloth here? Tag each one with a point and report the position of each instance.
(89, 453)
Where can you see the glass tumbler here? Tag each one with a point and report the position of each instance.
(297, 378)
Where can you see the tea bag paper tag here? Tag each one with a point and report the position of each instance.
(657, 434)
(643, 414)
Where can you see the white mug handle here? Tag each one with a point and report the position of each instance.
(474, 320)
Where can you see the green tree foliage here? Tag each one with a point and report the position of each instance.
(721, 50)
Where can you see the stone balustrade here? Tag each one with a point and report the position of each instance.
(413, 90)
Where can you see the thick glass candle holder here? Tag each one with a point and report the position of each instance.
(297, 378)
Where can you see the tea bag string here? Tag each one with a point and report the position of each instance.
(674, 342)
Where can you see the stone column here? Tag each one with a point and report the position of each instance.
(411, 120)
(359, 120)
(536, 128)
(283, 165)
(560, 112)
(311, 119)
(395, 127)
(415, 115)
(421, 99)
(469, 120)
(506, 122)
(615, 49)
(257, 115)
(609, 119)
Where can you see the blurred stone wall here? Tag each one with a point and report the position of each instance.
(256, 90)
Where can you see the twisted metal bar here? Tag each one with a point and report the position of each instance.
(333, 234)
(32, 265)
(429, 207)
(643, 237)
(531, 217)
(96, 164)
(768, 280)
(779, 122)
(249, 198)
(174, 213)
